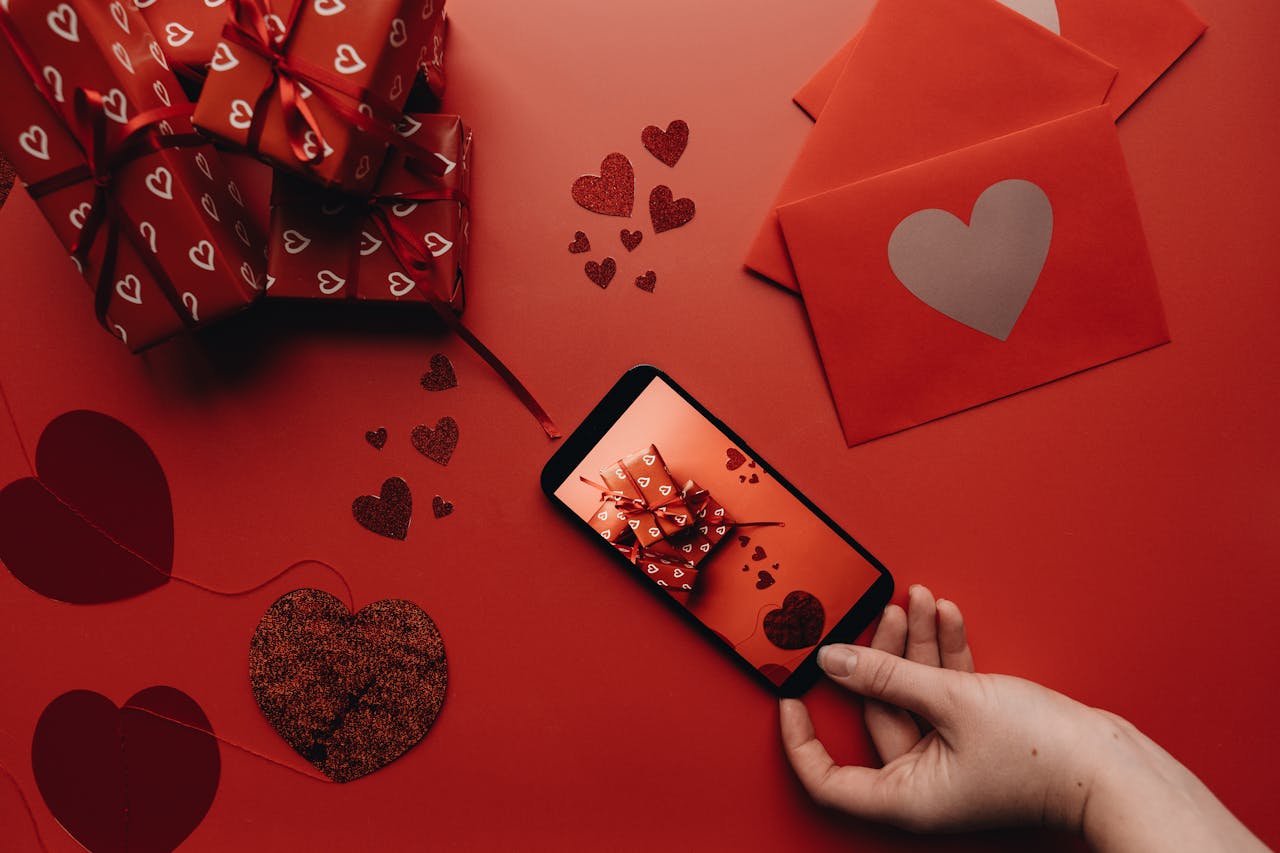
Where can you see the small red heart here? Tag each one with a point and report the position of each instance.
(601, 273)
(441, 507)
(376, 437)
(389, 513)
(742, 478)
(580, 243)
(665, 212)
(436, 444)
(755, 478)
(777, 565)
(647, 282)
(798, 624)
(669, 145)
(735, 459)
(441, 376)
(758, 554)
(744, 540)
(766, 580)
(630, 239)
(612, 192)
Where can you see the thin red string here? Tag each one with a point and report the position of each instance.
(26, 804)
(17, 433)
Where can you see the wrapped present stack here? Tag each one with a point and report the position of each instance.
(369, 202)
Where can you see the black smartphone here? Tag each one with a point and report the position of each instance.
(702, 521)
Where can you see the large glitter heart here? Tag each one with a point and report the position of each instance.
(389, 513)
(350, 693)
(612, 192)
(441, 377)
(665, 212)
(669, 145)
(601, 273)
(798, 624)
(96, 524)
(138, 778)
(436, 444)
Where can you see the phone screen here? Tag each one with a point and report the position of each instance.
(689, 509)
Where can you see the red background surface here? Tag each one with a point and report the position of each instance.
(1113, 534)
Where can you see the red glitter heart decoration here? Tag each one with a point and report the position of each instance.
(734, 459)
(601, 273)
(743, 541)
(612, 192)
(580, 243)
(669, 145)
(758, 554)
(436, 444)
(647, 282)
(96, 524)
(350, 693)
(754, 478)
(376, 437)
(122, 779)
(441, 376)
(666, 213)
(765, 579)
(798, 624)
(388, 514)
(441, 507)
(630, 239)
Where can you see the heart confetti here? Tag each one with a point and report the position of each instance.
(441, 377)
(798, 625)
(601, 273)
(389, 513)
(744, 541)
(377, 438)
(441, 507)
(765, 580)
(754, 478)
(612, 192)
(666, 145)
(667, 213)
(580, 243)
(647, 282)
(384, 679)
(734, 459)
(758, 554)
(439, 443)
(630, 239)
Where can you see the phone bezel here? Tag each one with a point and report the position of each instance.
(602, 418)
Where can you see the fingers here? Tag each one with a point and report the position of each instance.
(922, 627)
(953, 645)
(918, 688)
(892, 730)
(852, 789)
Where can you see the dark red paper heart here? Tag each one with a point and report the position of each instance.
(734, 459)
(765, 579)
(665, 212)
(350, 693)
(647, 282)
(743, 541)
(376, 437)
(125, 779)
(777, 566)
(630, 239)
(758, 554)
(439, 443)
(580, 243)
(97, 524)
(754, 478)
(798, 624)
(612, 192)
(601, 273)
(441, 507)
(669, 145)
(441, 376)
(388, 514)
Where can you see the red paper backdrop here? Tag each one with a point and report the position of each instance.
(1113, 534)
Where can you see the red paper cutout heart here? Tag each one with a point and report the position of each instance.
(388, 514)
(798, 624)
(580, 243)
(667, 146)
(630, 239)
(734, 459)
(647, 282)
(666, 213)
(436, 444)
(441, 376)
(101, 498)
(754, 478)
(766, 579)
(124, 779)
(612, 192)
(441, 507)
(601, 273)
(376, 437)
(758, 554)
(743, 541)
(383, 682)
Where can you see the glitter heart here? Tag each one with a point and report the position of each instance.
(669, 145)
(376, 437)
(758, 554)
(743, 541)
(630, 239)
(436, 444)
(798, 624)
(441, 507)
(441, 376)
(612, 192)
(765, 580)
(601, 273)
(389, 513)
(735, 459)
(647, 282)
(666, 213)
(777, 566)
(754, 478)
(580, 243)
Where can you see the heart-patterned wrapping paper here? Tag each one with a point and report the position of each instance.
(177, 209)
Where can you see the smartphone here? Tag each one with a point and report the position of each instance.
(683, 504)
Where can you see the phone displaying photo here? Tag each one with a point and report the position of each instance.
(701, 520)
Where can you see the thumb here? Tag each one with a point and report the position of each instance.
(921, 689)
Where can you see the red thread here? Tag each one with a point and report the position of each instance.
(26, 804)
(17, 433)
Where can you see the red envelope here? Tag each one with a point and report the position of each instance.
(1141, 38)
(974, 275)
(928, 77)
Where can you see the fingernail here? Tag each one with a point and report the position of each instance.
(836, 661)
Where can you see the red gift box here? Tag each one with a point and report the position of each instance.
(320, 89)
(98, 128)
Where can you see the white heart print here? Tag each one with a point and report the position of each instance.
(162, 93)
(120, 15)
(242, 232)
(234, 192)
(347, 61)
(53, 77)
(400, 283)
(176, 34)
(115, 107)
(605, 533)
(399, 35)
(241, 114)
(664, 490)
(369, 243)
(643, 481)
(206, 201)
(78, 214)
(329, 281)
(202, 163)
(437, 244)
(404, 208)
(310, 148)
(35, 142)
(122, 56)
(397, 88)
(634, 524)
(160, 182)
(130, 289)
(156, 53)
(649, 459)
(250, 278)
(201, 254)
(407, 126)
(148, 231)
(448, 164)
(223, 59)
(63, 21)
(295, 241)
(122, 334)
(363, 167)
(189, 300)
(329, 7)
(653, 531)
